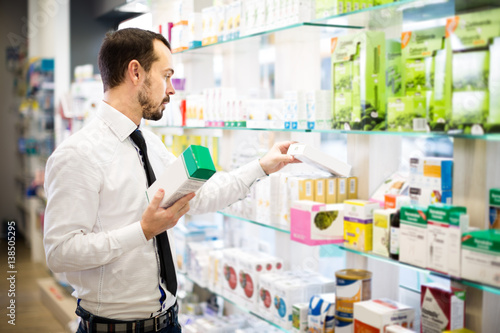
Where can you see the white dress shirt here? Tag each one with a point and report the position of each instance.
(96, 190)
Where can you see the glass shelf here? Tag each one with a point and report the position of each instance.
(279, 228)
(375, 18)
(477, 285)
(202, 285)
(487, 137)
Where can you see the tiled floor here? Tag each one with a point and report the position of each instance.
(31, 315)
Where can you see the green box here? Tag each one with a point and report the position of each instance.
(326, 8)
(494, 215)
(426, 72)
(407, 114)
(393, 70)
(365, 51)
(473, 50)
(382, 2)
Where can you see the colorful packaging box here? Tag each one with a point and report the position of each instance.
(359, 100)
(314, 223)
(322, 313)
(358, 224)
(473, 54)
(186, 175)
(438, 236)
(394, 68)
(413, 236)
(481, 256)
(374, 315)
(381, 230)
(494, 213)
(300, 318)
(442, 308)
(425, 82)
(431, 180)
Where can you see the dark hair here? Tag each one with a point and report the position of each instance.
(122, 46)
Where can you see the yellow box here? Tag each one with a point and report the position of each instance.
(358, 235)
(320, 190)
(331, 191)
(306, 189)
(341, 190)
(352, 188)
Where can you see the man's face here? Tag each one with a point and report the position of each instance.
(157, 87)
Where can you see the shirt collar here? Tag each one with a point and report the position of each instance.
(119, 124)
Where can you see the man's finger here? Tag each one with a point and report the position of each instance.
(181, 202)
(155, 203)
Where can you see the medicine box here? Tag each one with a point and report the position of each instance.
(430, 181)
(358, 80)
(494, 214)
(321, 316)
(299, 317)
(381, 230)
(374, 315)
(442, 308)
(185, 175)
(317, 158)
(358, 224)
(314, 223)
(438, 235)
(473, 54)
(481, 256)
(413, 236)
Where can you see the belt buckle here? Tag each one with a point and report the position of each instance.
(157, 322)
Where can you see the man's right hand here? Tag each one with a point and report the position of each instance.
(156, 220)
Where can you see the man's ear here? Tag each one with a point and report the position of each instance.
(134, 71)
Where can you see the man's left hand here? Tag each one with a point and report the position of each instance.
(277, 158)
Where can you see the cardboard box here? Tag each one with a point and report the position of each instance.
(407, 114)
(331, 185)
(394, 68)
(442, 308)
(413, 236)
(186, 175)
(359, 88)
(438, 236)
(322, 313)
(381, 230)
(494, 214)
(352, 190)
(341, 190)
(358, 224)
(397, 329)
(375, 315)
(314, 223)
(300, 317)
(431, 181)
(61, 305)
(317, 158)
(481, 256)
(320, 190)
(472, 52)
(425, 79)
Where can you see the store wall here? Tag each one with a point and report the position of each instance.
(13, 16)
(87, 33)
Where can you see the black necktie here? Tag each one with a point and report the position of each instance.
(167, 268)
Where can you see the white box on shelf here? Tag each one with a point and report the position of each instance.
(317, 158)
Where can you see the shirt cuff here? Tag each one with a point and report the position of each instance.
(131, 236)
(248, 173)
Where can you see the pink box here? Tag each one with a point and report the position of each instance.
(309, 227)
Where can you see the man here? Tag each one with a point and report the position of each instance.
(100, 229)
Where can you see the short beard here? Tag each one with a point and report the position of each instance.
(150, 110)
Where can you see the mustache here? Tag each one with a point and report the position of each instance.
(166, 100)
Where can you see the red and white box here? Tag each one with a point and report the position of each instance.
(442, 308)
(374, 315)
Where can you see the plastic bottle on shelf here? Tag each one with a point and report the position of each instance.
(394, 234)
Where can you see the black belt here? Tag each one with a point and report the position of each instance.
(96, 324)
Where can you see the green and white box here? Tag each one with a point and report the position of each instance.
(358, 76)
(494, 208)
(186, 175)
(394, 68)
(413, 236)
(425, 73)
(438, 235)
(473, 50)
(407, 114)
(381, 230)
(481, 256)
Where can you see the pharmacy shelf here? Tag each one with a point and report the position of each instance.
(487, 137)
(239, 306)
(477, 285)
(279, 228)
(378, 17)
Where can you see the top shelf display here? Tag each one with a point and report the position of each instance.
(400, 13)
